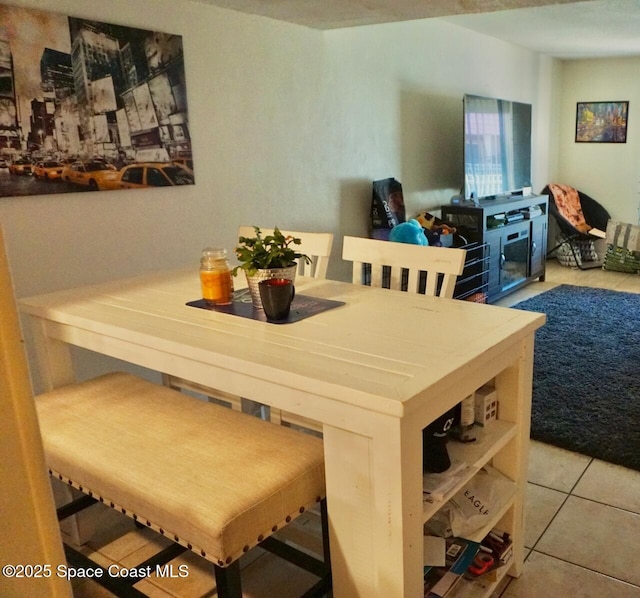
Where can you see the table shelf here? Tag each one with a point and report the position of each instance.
(493, 439)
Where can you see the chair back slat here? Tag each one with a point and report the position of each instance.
(316, 245)
(442, 265)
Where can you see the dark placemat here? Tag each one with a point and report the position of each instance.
(303, 306)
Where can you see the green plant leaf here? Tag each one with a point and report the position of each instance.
(273, 251)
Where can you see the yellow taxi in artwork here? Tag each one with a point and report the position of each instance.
(87, 173)
(49, 170)
(20, 166)
(146, 174)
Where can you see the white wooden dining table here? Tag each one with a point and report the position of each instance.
(374, 371)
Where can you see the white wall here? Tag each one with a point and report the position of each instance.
(400, 89)
(606, 171)
(290, 126)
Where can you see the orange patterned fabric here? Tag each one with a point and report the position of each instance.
(568, 204)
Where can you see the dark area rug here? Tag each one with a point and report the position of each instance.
(586, 379)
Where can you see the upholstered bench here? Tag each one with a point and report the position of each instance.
(213, 480)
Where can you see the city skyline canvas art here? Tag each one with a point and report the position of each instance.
(89, 106)
(601, 122)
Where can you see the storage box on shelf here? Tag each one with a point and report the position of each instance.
(486, 408)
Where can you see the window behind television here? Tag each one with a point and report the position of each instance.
(497, 147)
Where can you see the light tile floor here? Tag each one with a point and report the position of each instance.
(582, 530)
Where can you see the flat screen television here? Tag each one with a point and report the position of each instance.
(497, 147)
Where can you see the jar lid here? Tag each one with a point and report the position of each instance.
(214, 253)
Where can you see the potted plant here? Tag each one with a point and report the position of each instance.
(271, 256)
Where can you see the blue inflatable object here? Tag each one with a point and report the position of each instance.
(408, 232)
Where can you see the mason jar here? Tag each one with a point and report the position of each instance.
(215, 277)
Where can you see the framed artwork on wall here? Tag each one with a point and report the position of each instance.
(90, 106)
(601, 122)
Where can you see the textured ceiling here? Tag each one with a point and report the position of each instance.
(596, 29)
(560, 28)
(332, 14)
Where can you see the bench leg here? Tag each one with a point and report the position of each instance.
(324, 520)
(228, 581)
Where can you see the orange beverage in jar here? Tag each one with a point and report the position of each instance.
(215, 277)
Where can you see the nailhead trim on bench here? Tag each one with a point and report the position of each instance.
(198, 550)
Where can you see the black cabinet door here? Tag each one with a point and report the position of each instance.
(538, 246)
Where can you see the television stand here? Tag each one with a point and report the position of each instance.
(515, 230)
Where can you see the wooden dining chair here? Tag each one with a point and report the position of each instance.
(441, 265)
(213, 481)
(318, 247)
(30, 532)
(388, 262)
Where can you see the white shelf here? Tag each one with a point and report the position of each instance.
(493, 438)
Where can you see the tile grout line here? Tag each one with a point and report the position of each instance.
(568, 494)
(564, 502)
(531, 550)
(633, 585)
(593, 500)
(604, 504)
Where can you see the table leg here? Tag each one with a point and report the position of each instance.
(374, 497)
(55, 366)
(514, 386)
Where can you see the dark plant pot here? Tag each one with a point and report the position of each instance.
(254, 281)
